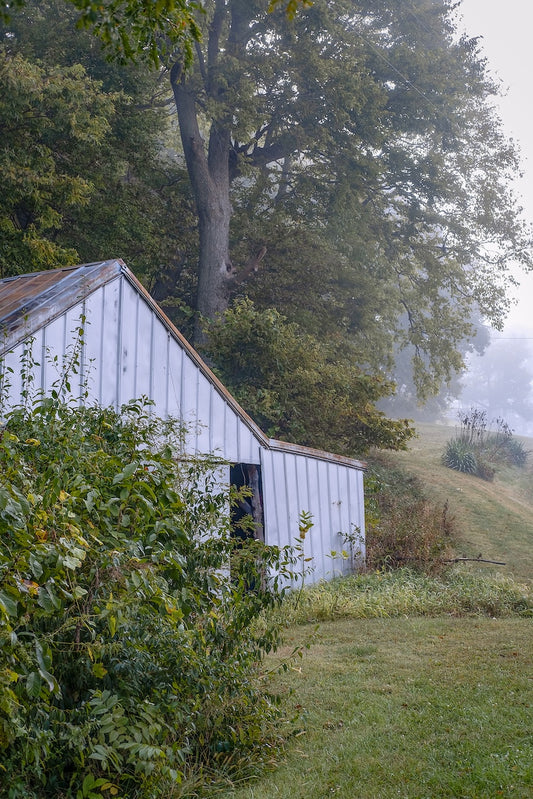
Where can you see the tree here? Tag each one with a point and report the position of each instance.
(372, 116)
(53, 123)
(406, 400)
(142, 28)
(134, 186)
(372, 120)
(363, 126)
(398, 165)
(132, 27)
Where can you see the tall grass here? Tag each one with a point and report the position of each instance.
(403, 592)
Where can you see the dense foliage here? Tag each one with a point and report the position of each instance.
(53, 124)
(133, 27)
(84, 171)
(128, 658)
(299, 388)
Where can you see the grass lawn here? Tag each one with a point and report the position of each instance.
(417, 707)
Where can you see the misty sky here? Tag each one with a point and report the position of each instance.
(506, 28)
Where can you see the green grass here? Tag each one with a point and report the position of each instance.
(418, 687)
(402, 593)
(419, 707)
(494, 519)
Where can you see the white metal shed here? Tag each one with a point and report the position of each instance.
(131, 349)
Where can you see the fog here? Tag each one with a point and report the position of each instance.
(501, 381)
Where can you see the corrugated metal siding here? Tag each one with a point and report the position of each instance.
(129, 353)
(130, 350)
(332, 492)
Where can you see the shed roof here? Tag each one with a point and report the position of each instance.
(30, 301)
(27, 302)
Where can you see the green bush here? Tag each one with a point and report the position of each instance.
(460, 456)
(299, 388)
(128, 658)
(403, 527)
(476, 450)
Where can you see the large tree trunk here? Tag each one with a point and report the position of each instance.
(209, 175)
(209, 171)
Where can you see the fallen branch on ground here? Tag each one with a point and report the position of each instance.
(476, 560)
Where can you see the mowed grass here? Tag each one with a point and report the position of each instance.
(494, 519)
(416, 707)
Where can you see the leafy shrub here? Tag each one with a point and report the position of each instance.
(459, 456)
(300, 388)
(478, 450)
(403, 527)
(127, 656)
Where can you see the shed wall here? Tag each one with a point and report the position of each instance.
(128, 353)
(332, 493)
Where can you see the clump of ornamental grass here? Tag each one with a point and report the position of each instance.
(479, 449)
(459, 456)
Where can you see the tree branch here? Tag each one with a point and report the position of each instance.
(251, 267)
(479, 559)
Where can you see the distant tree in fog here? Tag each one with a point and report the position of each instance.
(501, 380)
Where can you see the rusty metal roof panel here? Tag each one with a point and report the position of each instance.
(27, 302)
(16, 292)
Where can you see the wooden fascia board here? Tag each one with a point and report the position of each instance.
(316, 454)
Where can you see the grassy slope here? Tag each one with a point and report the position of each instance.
(494, 519)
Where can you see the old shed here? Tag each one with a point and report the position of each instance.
(131, 349)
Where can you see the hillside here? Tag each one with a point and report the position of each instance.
(494, 519)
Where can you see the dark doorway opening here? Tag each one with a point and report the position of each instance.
(247, 517)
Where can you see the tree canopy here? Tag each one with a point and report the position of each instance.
(132, 28)
(342, 164)
(71, 118)
(53, 123)
(299, 388)
(368, 127)
(367, 130)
